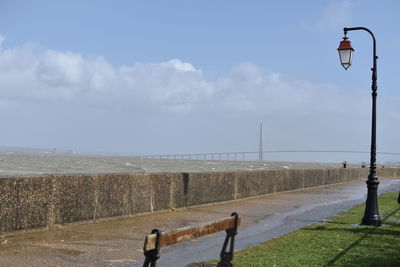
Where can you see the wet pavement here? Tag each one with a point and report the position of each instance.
(119, 242)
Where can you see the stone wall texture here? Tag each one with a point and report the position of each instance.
(34, 202)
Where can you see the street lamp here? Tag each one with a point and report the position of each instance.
(345, 52)
(371, 214)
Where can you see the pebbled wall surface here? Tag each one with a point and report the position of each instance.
(35, 202)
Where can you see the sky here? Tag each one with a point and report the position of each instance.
(165, 77)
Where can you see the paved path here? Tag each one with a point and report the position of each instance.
(119, 242)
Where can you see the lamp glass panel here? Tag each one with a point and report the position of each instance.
(345, 56)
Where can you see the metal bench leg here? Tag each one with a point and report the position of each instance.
(153, 255)
(227, 256)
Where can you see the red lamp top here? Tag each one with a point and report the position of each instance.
(345, 44)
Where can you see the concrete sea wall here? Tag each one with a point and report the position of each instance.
(33, 202)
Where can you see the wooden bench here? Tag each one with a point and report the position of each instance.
(157, 239)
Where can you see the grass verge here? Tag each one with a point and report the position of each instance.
(339, 241)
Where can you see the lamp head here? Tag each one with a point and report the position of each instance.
(345, 52)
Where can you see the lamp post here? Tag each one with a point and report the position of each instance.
(371, 214)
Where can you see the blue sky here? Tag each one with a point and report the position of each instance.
(195, 76)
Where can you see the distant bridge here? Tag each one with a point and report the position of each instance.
(251, 155)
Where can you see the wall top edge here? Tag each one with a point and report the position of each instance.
(55, 175)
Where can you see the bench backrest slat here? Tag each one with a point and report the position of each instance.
(189, 232)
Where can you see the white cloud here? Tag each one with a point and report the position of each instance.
(58, 69)
(335, 15)
(71, 92)
(2, 39)
(253, 89)
(178, 65)
(30, 74)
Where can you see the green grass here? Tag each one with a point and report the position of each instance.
(334, 243)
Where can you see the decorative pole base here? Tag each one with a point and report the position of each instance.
(375, 221)
(371, 214)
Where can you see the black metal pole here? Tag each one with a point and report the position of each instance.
(371, 214)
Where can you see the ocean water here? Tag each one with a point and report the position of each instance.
(37, 164)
